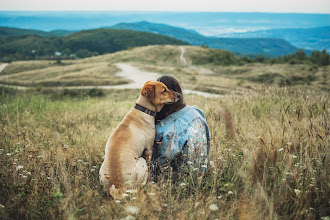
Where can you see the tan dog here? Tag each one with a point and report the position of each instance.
(134, 136)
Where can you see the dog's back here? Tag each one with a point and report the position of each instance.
(135, 134)
(123, 150)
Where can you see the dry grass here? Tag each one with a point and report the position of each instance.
(100, 70)
(44, 73)
(275, 167)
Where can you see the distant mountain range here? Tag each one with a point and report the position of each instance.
(307, 38)
(275, 42)
(7, 31)
(252, 46)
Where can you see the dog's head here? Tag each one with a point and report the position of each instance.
(158, 94)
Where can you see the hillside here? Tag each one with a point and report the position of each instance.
(8, 31)
(82, 44)
(308, 38)
(251, 46)
(205, 70)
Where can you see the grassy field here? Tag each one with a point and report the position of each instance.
(276, 166)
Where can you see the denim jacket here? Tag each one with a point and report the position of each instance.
(184, 131)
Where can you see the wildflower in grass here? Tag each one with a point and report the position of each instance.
(132, 209)
(294, 156)
(164, 204)
(8, 154)
(30, 156)
(212, 164)
(230, 192)
(125, 195)
(19, 167)
(297, 191)
(182, 184)
(213, 207)
(219, 197)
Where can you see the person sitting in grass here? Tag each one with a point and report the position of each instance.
(182, 135)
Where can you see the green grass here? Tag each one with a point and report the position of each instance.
(275, 167)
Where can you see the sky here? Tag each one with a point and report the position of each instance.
(291, 6)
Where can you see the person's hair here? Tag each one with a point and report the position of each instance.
(174, 85)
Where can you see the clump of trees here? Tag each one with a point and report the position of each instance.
(319, 58)
(223, 57)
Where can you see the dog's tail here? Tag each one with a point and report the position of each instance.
(115, 193)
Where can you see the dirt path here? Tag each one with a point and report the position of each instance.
(128, 71)
(3, 66)
(182, 58)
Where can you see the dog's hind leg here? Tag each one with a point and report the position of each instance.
(141, 171)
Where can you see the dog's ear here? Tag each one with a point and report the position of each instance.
(149, 91)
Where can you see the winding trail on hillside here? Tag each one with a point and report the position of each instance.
(182, 58)
(135, 75)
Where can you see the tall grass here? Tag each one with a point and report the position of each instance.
(275, 167)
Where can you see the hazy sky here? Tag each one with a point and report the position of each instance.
(304, 6)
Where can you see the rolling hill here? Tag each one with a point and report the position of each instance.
(251, 46)
(82, 44)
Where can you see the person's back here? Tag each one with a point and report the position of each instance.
(186, 132)
(182, 134)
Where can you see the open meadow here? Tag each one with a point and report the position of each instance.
(275, 166)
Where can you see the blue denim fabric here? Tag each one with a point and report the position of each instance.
(186, 127)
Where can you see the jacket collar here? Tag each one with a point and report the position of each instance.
(174, 115)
